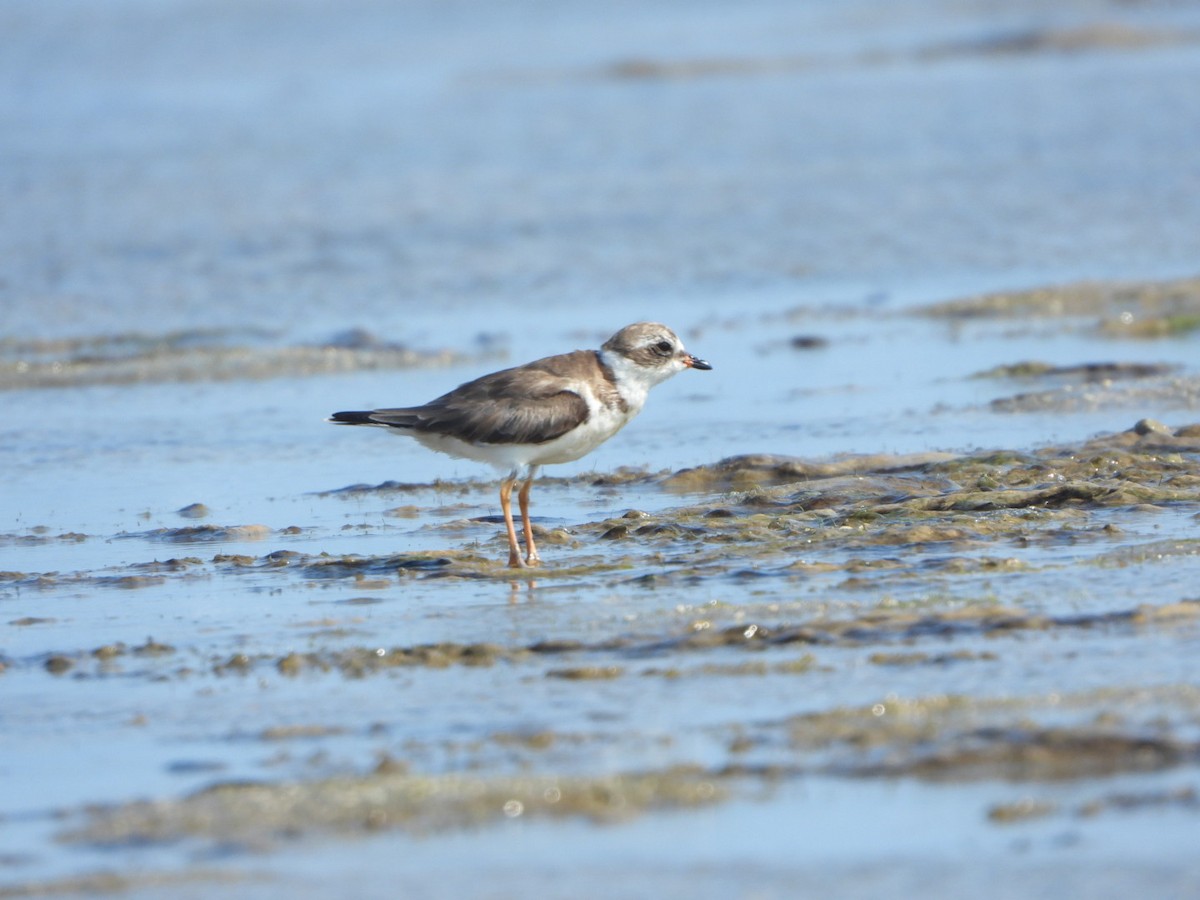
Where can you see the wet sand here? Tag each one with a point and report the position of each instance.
(901, 597)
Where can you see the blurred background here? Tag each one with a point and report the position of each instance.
(308, 166)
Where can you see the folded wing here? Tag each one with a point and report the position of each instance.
(515, 406)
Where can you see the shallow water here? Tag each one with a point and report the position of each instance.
(200, 202)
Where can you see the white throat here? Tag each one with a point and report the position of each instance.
(634, 381)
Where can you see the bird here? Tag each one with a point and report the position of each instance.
(550, 411)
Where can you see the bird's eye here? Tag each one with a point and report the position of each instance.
(663, 348)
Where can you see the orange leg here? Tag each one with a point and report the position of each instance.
(531, 554)
(514, 549)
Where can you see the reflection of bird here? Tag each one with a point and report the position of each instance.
(553, 410)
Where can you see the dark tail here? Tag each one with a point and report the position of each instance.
(353, 417)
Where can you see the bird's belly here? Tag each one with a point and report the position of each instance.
(577, 442)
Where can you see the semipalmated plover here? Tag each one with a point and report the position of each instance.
(552, 410)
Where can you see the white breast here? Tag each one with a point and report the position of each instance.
(602, 423)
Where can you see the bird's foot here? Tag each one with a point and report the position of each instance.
(516, 562)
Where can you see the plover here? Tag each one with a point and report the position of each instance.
(552, 410)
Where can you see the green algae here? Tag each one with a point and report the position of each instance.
(586, 673)
(1021, 811)
(114, 883)
(936, 738)
(298, 732)
(209, 533)
(889, 542)
(1108, 300)
(961, 738)
(1186, 798)
(768, 516)
(192, 356)
(882, 625)
(1164, 326)
(152, 647)
(1085, 372)
(385, 800)
(622, 476)
(878, 626)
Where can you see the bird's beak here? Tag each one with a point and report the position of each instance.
(693, 362)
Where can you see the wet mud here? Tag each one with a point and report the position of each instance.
(190, 356)
(389, 800)
(920, 564)
(1115, 309)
